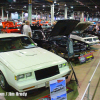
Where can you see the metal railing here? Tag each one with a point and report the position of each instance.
(87, 96)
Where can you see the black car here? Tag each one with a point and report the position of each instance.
(57, 40)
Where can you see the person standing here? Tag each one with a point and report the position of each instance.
(27, 29)
(97, 28)
(21, 28)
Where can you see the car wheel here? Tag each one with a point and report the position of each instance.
(3, 83)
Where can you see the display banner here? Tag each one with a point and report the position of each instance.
(86, 58)
(58, 89)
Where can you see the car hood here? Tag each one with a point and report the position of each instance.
(21, 59)
(64, 27)
(7, 24)
(80, 27)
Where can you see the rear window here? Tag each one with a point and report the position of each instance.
(95, 39)
(90, 40)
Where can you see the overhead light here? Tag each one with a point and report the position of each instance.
(72, 7)
(95, 6)
(65, 5)
(34, 8)
(43, 5)
(54, 1)
(43, 9)
(24, 7)
(14, 0)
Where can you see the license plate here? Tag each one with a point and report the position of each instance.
(47, 84)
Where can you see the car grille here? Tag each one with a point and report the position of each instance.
(83, 48)
(76, 49)
(46, 72)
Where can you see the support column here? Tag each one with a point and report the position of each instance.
(72, 15)
(48, 17)
(65, 12)
(30, 11)
(82, 16)
(52, 13)
(41, 15)
(2, 14)
(22, 16)
(7, 16)
(36, 15)
(87, 17)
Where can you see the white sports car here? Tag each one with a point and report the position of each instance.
(24, 66)
(85, 37)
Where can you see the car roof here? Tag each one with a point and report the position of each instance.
(5, 35)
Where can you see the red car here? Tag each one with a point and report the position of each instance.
(9, 27)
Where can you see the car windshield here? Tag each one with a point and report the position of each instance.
(15, 43)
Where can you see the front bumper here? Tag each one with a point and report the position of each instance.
(22, 86)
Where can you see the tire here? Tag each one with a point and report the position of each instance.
(3, 83)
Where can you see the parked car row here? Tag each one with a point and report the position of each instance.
(56, 41)
(9, 27)
(79, 34)
(25, 66)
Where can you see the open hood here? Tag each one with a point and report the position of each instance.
(81, 27)
(64, 27)
(7, 24)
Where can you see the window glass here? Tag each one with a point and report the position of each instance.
(15, 43)
(37, 35)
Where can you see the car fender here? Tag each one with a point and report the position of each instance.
(3, 70)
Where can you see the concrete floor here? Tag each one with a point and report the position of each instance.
(84, 73)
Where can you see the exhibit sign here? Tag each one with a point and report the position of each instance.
(58, 89)
(86, 58)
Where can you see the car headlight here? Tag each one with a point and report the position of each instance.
(29, 74)
(63, 65)
(20, 76)
(60, 66)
